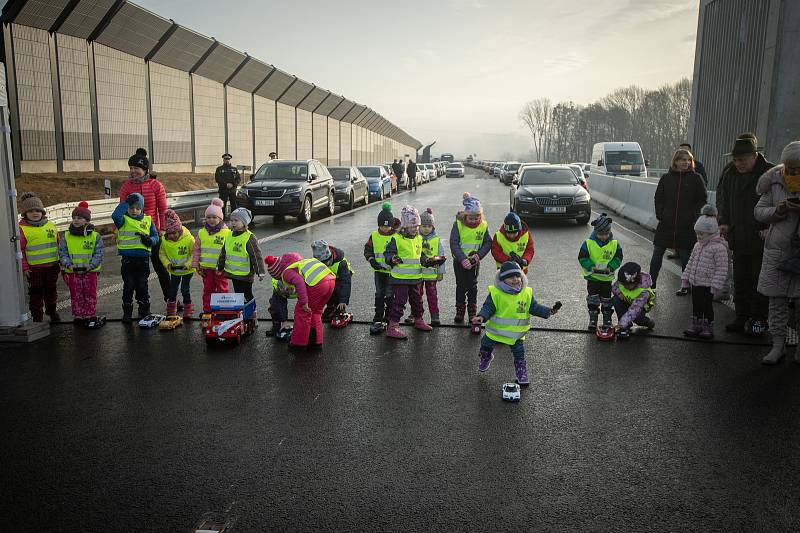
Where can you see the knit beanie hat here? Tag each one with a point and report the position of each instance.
(173, 221)
(277, 265)
(28, 201)
(707, 223)
(385, 217)
(791, 153)
(139, 159)
(512, 223)
(409, 217)
(472, 206)
(321, 250)
(215, 209)
(426, 218)
(510, 268)
(83, 211)
(242, 214)
(273, 265)
(602, 223)
(136, 199)
(629, 272)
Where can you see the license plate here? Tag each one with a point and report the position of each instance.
(559, 209)
(265, 203)
(625, 167)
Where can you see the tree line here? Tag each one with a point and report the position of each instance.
(656, 119)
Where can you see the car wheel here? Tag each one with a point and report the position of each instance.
(583, 220)
(352, 203)
(305, 211)
(331, 204)
(381, 197)
(366, 197)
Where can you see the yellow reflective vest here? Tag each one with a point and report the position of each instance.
(41, 243)
(379, 242)
(630, 296)
(312, 270)
(211, 246)
(600, 255)
(80, 249)
(511, 319)
(409, 251)
(430, 247)
(237, 261)
(179, 254)
(518, 247)
(128, 235)
(471, 239)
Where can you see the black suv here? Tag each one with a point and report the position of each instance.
(550, 191)
(296, 188)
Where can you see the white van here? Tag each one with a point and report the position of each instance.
(623, 158)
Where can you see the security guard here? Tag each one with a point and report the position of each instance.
(227, 178)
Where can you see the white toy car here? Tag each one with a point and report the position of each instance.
(151, 321)
(511, 392)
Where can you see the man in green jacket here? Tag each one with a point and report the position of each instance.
(736, 199)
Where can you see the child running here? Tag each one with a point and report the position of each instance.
(633, 297)
(469, 243)
(240, 257)
(600, 255)
(207, 248)
(706, 273)
(513, 242)
(374, 251)
(506, 312)
(80, 252)
(175, 254)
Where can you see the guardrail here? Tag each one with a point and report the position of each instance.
(61, 214)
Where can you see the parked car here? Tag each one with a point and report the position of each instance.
(508, 171)
(578, 170)
(619, 158)
(455, 170)
(550, 191)
(423, 173)
(378, 180)
(288, 187)
(495, 169)
(350, 186)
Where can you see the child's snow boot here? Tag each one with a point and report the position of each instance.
(144, 309)
(172, 309)
(378, 315)
(707, 330)
(393, 330)
(593, 315)
(521, 367)
(694, 329)
(435, 320)
(50, 311)
(460, 310)
(776, 352)
(127, 313)
(472, 310)
(188, 311)
(420, 324)
(608, 312)
(37, 315)
(485, 362)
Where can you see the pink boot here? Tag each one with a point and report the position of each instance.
(172, 309)
(393, 330)
(188, 311)
(420, 324)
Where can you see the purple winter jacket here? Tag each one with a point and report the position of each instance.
(637, 306)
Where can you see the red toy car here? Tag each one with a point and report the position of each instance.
(231, 318)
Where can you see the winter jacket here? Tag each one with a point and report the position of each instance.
(411, 169)
(97, 253)
(455, 241)
(344, 278)
(498, 253)
(488, 309)
(118, 217)
(708, 264)
(678, 200)
(226, 174)
(586, 262)
(736, 199)
(196, 253)
(391, 251)
(636, 307)
(256, 260)
(777, 246)
(155, 198)
(23, 244)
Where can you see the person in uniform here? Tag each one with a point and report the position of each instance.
(227, 178)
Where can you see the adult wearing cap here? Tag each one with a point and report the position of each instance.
(779, 207)
(273, 155)
(736, 200)
(143, 182)
(227, 178)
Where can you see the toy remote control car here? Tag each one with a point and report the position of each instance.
(605, 333)
(340, 320)
(171, 322)
(151, 321)
(623, 334)
(511, 392)
(95, 322)
(231, 318)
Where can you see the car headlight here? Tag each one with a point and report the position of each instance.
(296, 188)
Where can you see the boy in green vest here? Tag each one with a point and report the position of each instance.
(633, 298)
(175, 254)
(80, 252)
(507, 313)
(513, 242)
(373, 253)
(136, 236)
(38, 239)
(600, 255)
(469, 243)
(334, 259)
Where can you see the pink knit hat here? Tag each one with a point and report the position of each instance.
(276, 265)
(215, 209)
(173, 221)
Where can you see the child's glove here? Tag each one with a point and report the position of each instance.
(555, 308)
(466, 263)
(146, 240)
(374, 263)
(475, 258)
(517, 259)
(396, 260)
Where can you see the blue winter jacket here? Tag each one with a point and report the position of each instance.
(118, 216)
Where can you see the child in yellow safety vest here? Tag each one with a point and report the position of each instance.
(335, 260)
(432, 246)
(175, 254)
(80, 252)
(599, 257)
(38, 239)
(207, 248)
(507, 314)
(470, 242)
(633, 298)
(513, 242)
(240, 257)
(373, 253)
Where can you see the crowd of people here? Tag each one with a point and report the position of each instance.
(757, 217)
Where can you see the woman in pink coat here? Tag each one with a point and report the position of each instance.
(313, 283)
(706, 272)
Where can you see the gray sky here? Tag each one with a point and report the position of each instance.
(457, 71)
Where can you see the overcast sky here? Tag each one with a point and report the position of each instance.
(457, 71)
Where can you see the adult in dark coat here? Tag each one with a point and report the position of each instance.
(411, 170)
(736, 199)
(698, 166)
(227, 178)
(679, 197)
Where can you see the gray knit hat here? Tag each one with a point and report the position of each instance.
(791, 153)
(242, 214)
(321, 250)
(707, 223)
(28, 201)
(426, 218)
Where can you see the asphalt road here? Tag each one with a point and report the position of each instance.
(125, 429)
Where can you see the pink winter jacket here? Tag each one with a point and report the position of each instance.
(708, 265)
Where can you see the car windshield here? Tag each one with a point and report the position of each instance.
(513, 166)
(623, 157)
(455, 165)
(577, 170)
(282, 171)
(370, 172)
(340, 174)
(548, 176)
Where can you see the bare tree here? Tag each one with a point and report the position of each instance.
(536, 115)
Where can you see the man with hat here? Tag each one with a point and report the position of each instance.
(736, 199)
(227, 178)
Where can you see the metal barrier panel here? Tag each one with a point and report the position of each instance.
(209, 122)
(320, 138)
(171, 110)
(266, 139)
(333, 142)
(240, 126)
(73, 70)
(287, 137)
(304, 134)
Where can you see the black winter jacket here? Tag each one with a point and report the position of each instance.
(678, 200)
